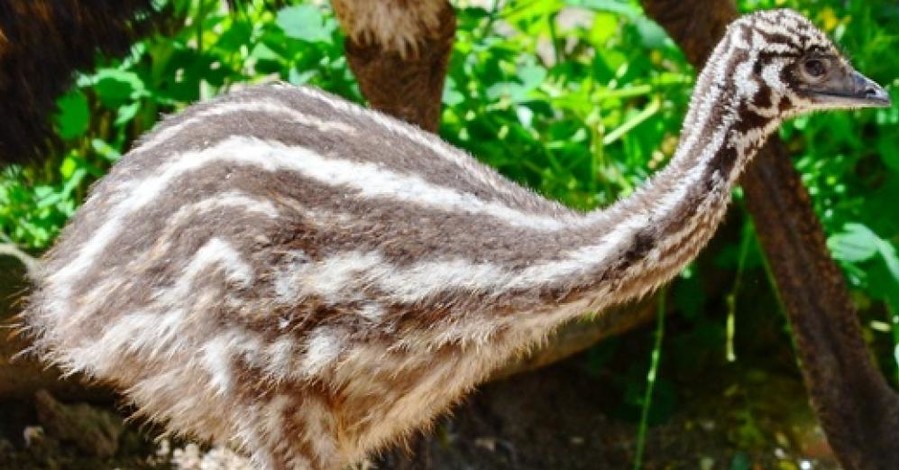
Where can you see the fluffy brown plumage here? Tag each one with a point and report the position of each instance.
(309, 281)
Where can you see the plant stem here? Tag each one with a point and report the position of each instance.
(732, 297)
(654, 106)
(651, 380)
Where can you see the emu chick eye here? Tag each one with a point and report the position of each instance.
(815, 68)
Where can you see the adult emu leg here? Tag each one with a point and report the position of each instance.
(856, 407)
(400, 60)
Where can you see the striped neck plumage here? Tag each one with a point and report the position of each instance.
(768, 67)
(652, 234)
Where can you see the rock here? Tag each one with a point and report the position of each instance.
(94, 431)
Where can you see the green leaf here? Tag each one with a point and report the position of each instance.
(237, 35)
(297, 77)
(856, 243)
(262, 52)
(126, 113)
(303, 22)
(886, 147)
(105, 150)
(116, 87)
(531, 76)
(527, 11)
(620, 7)
(68, 167)
(74, 117)
(888, 253)
(653, 35)
(451, 95)
(266, 59)
(605, 26)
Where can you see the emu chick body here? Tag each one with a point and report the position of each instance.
(310, 281)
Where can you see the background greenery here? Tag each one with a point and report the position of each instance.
(581, 107)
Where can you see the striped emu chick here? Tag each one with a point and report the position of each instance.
(309, 281)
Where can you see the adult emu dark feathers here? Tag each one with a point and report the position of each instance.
(42, 44)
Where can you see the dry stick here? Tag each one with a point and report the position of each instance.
(858, 411)
(30, 263)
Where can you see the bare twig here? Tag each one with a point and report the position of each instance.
(30, 262)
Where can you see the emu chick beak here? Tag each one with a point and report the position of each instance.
(851, 90)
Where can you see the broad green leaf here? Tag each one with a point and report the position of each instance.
(888, 253)
(68, 167)
(605, 25)
(620, 7)
(856, 243)
(116, 87)
(531, 76)
(303, 22)
(297, 77)
(127, 112)
(237, 35)
(652, 34)
(451, 95)
(262, 52)
(73, 117)
(527, 11)
(105, 150)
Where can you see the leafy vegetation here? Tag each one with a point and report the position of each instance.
(579, 99)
